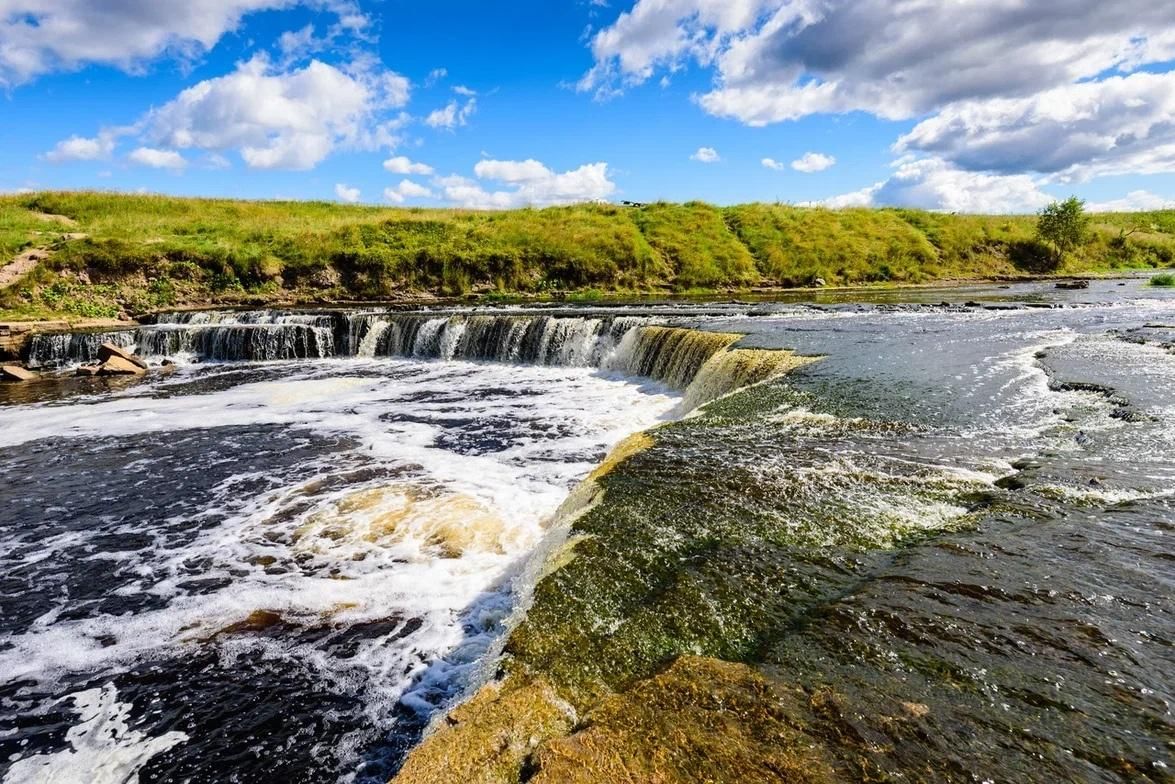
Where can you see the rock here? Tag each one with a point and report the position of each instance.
(117, 366)
(108, 350)
(87, 370)
(819, 282)
(1011, 483)
(916, 709)
(15, 373)
(1073, 285)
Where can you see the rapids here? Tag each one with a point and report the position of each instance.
(283, 560)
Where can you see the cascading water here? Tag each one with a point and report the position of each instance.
(73, 348)
(635, 345)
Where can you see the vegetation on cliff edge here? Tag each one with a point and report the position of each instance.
(142, 252)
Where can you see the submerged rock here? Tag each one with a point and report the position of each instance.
(16, 373)
(1012, 482)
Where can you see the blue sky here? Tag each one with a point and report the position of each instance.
(977, 105)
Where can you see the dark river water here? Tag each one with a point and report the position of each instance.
(280, 570)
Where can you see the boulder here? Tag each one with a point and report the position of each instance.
(820, 282)
(117, 366)
(87, 370)
(108, 350)
(15, 373)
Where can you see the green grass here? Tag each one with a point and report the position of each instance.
(1163, 279)
(143, 252)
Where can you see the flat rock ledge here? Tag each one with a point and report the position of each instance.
(16, 373)
(114, 361)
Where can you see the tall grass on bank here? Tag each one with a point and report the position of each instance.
(156, 251)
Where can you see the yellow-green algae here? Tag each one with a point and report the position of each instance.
(489, 739)
(613, 633)
(689, 562)
(700, 720)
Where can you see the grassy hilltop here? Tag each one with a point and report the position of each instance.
(144, 252)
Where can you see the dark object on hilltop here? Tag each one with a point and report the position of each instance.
(1073, 285)
(633, 203)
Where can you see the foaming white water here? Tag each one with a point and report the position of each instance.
(102, 749)
(416, 527)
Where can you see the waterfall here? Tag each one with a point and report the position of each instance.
(704, 365)
(726, 371)
(48, 351)
(216, 335)
(672, 355)
(371, 340)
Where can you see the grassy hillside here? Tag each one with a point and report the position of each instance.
(143, 252)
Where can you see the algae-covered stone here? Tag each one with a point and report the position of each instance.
(701, 720)
(489, 739)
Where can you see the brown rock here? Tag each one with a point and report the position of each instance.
(117, 366)
(87, 370)
(108, 350)
(15, 373)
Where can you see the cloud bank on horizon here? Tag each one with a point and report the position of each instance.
(975, 105)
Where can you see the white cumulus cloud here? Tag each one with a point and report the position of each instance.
(346, 193)
(1135, 201)
(934, 184)
(281, 119)
(402, 165)
(1120, 125)
(80, 148)
(452, 115)
(157, 159)
(771, 163)
(407, 189)
(705, 155)
(782, 59)
(42, 36)
(1001, 87)
(811, 162)
(527, 183)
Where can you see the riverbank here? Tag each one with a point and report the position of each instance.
(102, 255)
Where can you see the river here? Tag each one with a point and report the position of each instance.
(281, 557)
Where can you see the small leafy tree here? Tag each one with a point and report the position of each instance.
(1063, 224)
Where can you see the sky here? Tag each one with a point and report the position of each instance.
(955, 105)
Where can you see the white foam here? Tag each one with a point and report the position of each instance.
(440, 542)
(103, 749)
